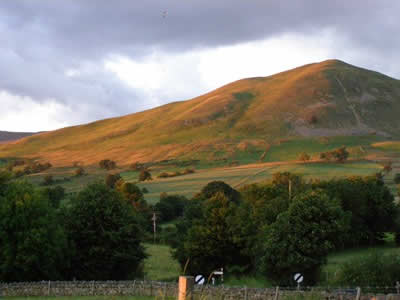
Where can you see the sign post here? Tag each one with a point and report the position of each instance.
(298, 278)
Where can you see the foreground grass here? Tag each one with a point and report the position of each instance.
(83, 298)
(160, 265)
(335, 260)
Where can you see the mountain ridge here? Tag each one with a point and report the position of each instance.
(330, 98)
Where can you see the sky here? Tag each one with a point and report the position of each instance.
(69, 62)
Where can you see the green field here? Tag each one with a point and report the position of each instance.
(160, 265)
(83, 298)
(189, 185)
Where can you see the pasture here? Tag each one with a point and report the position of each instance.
(189, 185)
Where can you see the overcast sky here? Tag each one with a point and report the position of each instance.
(69, 62)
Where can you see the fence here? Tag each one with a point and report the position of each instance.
(169, 290)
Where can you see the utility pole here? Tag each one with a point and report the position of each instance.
(154, 219)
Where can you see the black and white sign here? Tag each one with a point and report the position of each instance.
(199, 279)
(298, 278)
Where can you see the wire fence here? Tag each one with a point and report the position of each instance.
(169, 290)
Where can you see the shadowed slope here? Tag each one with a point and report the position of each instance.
(323, 99)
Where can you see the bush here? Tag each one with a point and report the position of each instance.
(112, 179)
(79, 171)
(107, 164)
(375, 269)
(48, 180)
(144, 190)
(397, 178)
(144, 175)
(338, 155)
(304, 157)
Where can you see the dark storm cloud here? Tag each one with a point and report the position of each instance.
(41, 40)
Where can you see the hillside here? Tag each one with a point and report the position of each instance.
(6, 136)
(331, 98)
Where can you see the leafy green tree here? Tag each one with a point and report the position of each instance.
(144, 175)
(397, 178)
(301, 238)
(103, 229)
(48, 180)
(107, 164)
(112, 179)
(371, 205)
(215, 187)
(304, 157)
(131, 192)
(79, 171)
(55, 195)
(33, 244)
(170, 207)
(210, 243)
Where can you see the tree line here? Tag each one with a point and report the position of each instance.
(283, 227)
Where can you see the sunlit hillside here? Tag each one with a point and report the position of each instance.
(252, 115)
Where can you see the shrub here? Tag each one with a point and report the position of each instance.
(304, 157)
(112, 179)
(338, 155)
(144, 190)
(48, 180)
(144, 175)
(397, 178)
(375, 269)
(79, 171)
(107, 164)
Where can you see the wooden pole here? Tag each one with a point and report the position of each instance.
(358, 293)
(276, 293)
(186, 284)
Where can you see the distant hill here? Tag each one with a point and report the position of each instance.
(6, 136)
(331, 98)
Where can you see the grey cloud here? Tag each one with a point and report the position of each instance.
(40, 40)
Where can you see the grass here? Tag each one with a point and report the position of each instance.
(190, 184)
(290, 149)
(160, 265)
(82, 298)
(335, 260)
(211, 126)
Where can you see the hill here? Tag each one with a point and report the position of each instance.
(246, 117)
(6, 136)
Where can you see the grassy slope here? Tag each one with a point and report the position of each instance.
(247, 116)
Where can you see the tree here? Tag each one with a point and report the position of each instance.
(144, 175)
(397, 178)
(215, 187)
(107, 164)
(339, 155)
(79, 171)
(33, 244)
(131, 192)
(300, 239)
(209, 242)
(170, 207)
(371, 205)
(48, 180)
(304, 157)
(103, 229)
(112, 179)
(387, 167)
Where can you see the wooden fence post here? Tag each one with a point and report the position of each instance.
(186, 284)
(276, 293)
(358, 293)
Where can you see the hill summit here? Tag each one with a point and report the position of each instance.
(330, 98)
